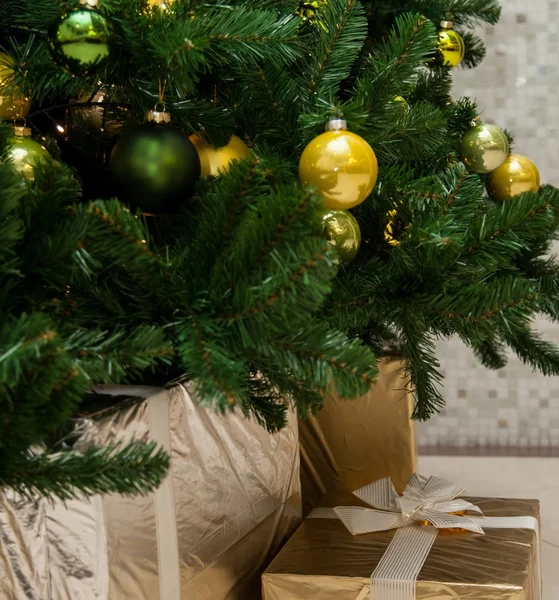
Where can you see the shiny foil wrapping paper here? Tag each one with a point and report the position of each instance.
(350, 443)
(232, 498)
(323, 561)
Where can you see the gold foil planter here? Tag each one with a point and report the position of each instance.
(350, 443)
(232, 498)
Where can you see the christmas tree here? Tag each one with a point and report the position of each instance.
(141, 242)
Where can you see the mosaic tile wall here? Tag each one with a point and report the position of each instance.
(517, 87)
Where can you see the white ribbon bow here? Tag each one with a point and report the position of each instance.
(430, 499)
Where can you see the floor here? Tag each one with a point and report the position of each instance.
(512, 477)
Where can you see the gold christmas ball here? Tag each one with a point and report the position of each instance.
(484, 148)
(341, 165)
(516, 175)
(450, 45)
(13, 105)
(213, 160)
(343, 232)
(25, 153)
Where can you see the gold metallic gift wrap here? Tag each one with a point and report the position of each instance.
(350, 443)
(323, 561)
(232, 498)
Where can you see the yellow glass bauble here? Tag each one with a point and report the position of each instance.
(450, 45)
(213, 160)
(13, 105)
(516, 175)
(341, 165)
(25, 153)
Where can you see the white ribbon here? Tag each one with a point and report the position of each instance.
(158, 401)
(424, 499)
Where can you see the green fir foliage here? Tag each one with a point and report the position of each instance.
(240, 293)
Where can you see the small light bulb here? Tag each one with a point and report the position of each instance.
(60, 128)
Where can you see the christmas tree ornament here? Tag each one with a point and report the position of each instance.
(484, 147)
(91, 109)
(401, 105)
(80, 41)
(25, 153)
(396, 224)
(13, 104)
(215, 160)
(392, 229)
(341, 165)
(310, 12)
(162, 4)
(516, 175)
(450, 44)
(342, 231)
(155, 167)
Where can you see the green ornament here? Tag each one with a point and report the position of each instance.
(80, 41)
(154, 168)
(25, 153)
(484, 148)
(343, 232)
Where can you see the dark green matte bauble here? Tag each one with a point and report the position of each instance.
(154, 168)
(80, 41)
(343, 232)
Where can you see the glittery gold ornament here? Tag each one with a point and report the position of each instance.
(401, 106)
(450, 45)
(395, 225)
(343, 232)
(484, 147)
(213, 160)
(80, 41)
(516, 175)
(25, 153)
(13, 105)
(163, 4)
(341, 165)
(390, 229)
(309, 11)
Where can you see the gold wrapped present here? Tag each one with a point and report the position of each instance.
(338, 450)
(330, 558)
(231, 498)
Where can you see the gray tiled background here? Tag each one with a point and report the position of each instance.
(517, 88)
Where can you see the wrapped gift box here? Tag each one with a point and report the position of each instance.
(350, 443)
(232, 497)
(324, 561)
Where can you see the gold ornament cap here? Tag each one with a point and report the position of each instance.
(158, 116)
(336, 125)
(22, 131)
(89, 3)
(446, 24)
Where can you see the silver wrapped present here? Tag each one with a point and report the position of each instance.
(231, 498)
